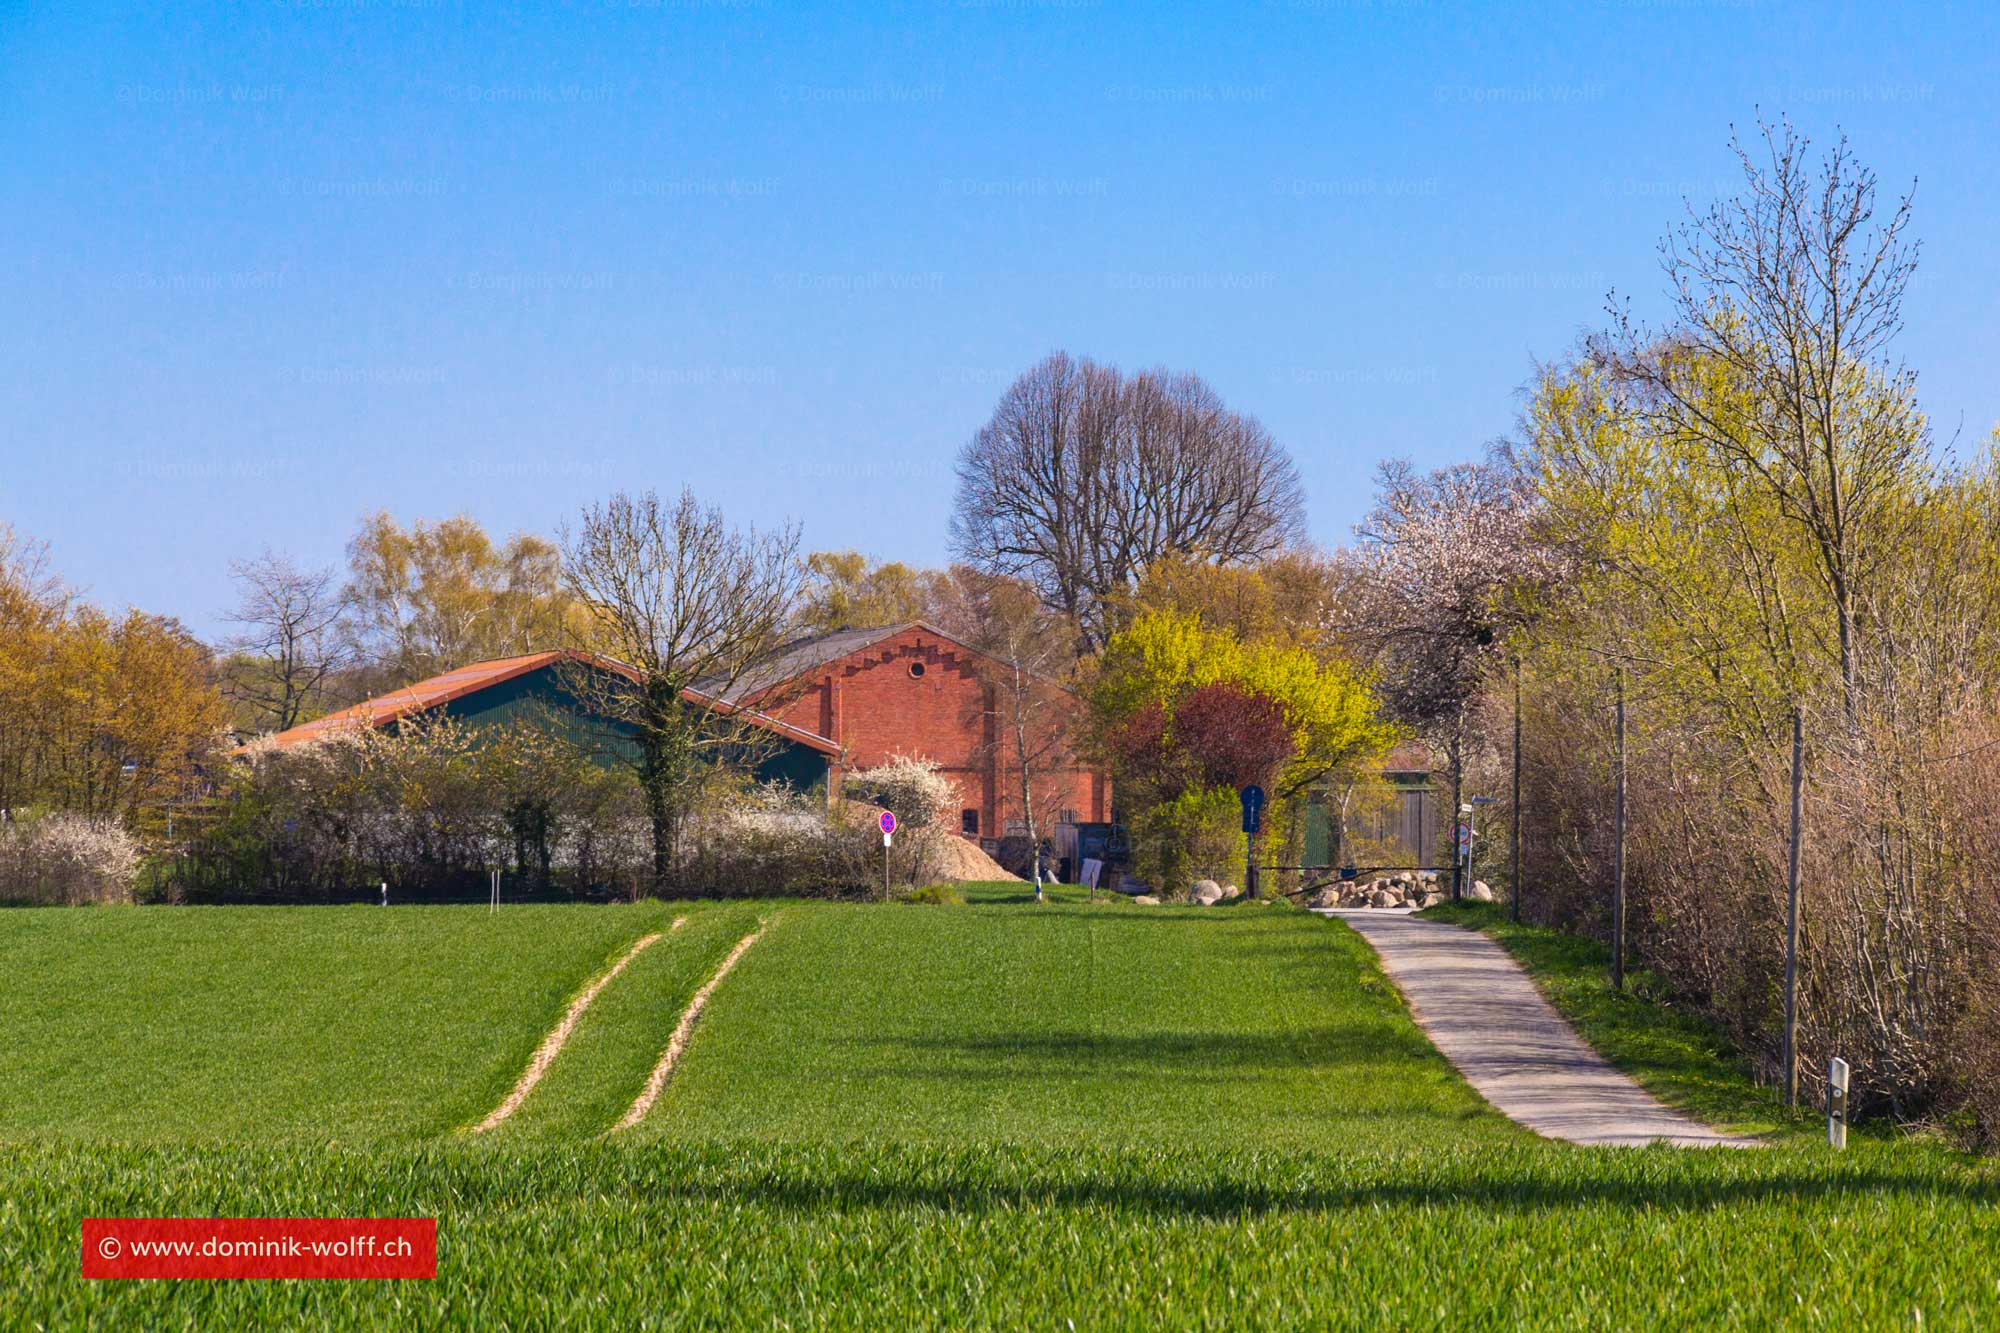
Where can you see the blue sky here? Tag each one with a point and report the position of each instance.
(268, 267)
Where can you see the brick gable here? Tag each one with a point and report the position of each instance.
(873, 704)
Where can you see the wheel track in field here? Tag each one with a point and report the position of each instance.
(677, 1044)
(545, 1054)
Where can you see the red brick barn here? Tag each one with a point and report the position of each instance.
(914, 690)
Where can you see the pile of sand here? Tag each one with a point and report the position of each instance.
(962, 860)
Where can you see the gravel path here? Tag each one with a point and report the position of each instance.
(1477, 1005)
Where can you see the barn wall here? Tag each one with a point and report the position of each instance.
(871, 703)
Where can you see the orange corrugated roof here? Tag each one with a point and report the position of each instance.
(461, 681)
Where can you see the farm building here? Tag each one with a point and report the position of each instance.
(846, 700)
(1391, 822)
(532, 686)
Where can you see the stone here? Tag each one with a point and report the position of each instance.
(1380, 898)
(1147, 900)
(1481, 892)
(1205, 892)
(1429, 900)
(1231, 891)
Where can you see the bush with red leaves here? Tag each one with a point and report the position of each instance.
(1232, 737)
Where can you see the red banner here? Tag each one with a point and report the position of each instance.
(259, 1247)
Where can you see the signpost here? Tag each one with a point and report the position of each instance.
(1468, 833)
(888, 823)
(1252, 797)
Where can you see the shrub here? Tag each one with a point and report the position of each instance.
(916, 791)
(426, 809)
(1196, 835)
(941, 894)
(925, 803)
(772, 840)
(66, 859)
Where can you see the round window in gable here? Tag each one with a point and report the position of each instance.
(916, 670)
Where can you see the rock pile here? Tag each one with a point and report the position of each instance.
(1207, 893)
(1410, 889)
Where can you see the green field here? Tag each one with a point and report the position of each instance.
(992, 1115)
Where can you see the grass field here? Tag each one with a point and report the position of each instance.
(929, 1116)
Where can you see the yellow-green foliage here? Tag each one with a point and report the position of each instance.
(1195, 834)
(1335, 717)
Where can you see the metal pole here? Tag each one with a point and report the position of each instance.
(1618, 856)
(1792, 914)
(1514, 840)
(885, 867)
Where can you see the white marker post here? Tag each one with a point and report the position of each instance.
(496, 893)
(1836, 1103)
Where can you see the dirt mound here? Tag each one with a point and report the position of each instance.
(962, 860)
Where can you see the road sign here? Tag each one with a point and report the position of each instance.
(888, 823)
(1252, 797)
(1465, 837)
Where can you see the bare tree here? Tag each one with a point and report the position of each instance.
(693, 610)
(1083, 477)
(1794, 290)
(1030, 654)
(290, 645)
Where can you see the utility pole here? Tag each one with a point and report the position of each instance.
(1792, 913)
(1514, 841)
(1618, 855)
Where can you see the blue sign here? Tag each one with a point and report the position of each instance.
(1253, 808)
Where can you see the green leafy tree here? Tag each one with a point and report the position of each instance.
(1183, 712)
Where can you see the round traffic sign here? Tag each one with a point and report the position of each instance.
(887, 821)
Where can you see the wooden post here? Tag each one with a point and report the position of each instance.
(1792, 914)
(1514, 840)
(1618, 855)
